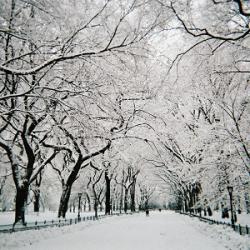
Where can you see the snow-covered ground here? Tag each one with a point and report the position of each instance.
(165, 230)
(9, 217)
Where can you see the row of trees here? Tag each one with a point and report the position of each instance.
(208, 143)
(104, 188)
(67, 88)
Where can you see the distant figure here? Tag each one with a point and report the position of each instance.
(209, 211)
(225, 213)
(147, 212)
(199, 211)
(205, 212)
(235, 216)
(159, 209)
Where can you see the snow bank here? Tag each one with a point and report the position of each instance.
(221, 233)
(24, 238)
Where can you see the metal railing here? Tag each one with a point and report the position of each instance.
(242, 230)
(51, 223)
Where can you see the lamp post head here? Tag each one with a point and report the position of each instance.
(230, 189)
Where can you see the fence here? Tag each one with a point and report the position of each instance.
(242, 230)
(50, 223)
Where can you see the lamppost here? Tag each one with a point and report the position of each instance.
(79, 205)
(230, 191)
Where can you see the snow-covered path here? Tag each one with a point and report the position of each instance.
(159, 231)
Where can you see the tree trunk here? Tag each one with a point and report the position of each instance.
(96, 208)
(111, 206)
(126, 200)
(146, 203)
(185, 205)
(132, 195)
(89, 202)
(84, 205)
(121, 199)
(63, 206)
(117, 205)
(247, 201)
(37, 200)
(107, 194)
(101, 206)
(37, 192)
(21, 201)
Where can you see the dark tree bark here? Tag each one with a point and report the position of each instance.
(63, 206)
(21, 201)
(89, 201)
(96, 208)
(37, 192)
(132, 196)
(84, 205)
(126, 200)
(96, 192)
(23, 174)
(185, 204)
(22, 190)
(146, 203)
(107, 194)
(37, 200)
(121, 199)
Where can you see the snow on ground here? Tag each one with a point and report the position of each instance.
(9, 217)
(165, 230)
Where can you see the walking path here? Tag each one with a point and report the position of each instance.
(161, 230)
